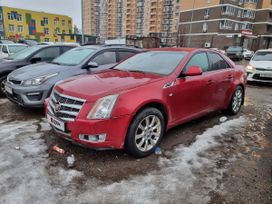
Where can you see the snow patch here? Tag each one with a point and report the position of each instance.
(177, 180)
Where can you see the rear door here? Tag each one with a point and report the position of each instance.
(223, 75)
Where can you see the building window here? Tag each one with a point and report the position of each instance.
(11, 28)
(248, 14)
(56, 22)
(20, 28)
(225, 24)
(45, 21)
(46, 31)
(205, 27)
(46, 39)
(63, 32)
(19, 17)
(63, 22)
(56, 31)
(228, 10)
(1, 16)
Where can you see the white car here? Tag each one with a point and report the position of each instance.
(247, 54)
(8, 49)
(260, 66)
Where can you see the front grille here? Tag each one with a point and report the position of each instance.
(263, 69)
(64, 107)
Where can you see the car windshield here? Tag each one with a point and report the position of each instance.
(235, 49)
(74, 56)
(16, 48)
(157, 62)
(24, 53)
(263, 56)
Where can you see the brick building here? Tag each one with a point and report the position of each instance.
(222, 23)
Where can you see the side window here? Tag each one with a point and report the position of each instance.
(200, 60)
(123, 55)
(65, 49)
(48, 54)
(105, 58)
(217, 62)
(5, 49)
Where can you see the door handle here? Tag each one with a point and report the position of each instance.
(210, 82)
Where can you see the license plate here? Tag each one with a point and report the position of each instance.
(266, 75)
(56, 122)
(8, 90)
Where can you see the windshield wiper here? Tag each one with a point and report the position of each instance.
(132, 70)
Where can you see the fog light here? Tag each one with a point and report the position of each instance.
(93, 138)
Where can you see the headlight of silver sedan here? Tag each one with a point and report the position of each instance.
(37, 81)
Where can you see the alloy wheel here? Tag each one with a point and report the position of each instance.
(148, 133)
(237, 100)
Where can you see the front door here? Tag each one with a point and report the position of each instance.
(191, 95)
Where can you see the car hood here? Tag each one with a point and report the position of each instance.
(36, 70)
(91, 87)
(261, 64)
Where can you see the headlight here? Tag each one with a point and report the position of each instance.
(103, 107)
(38, 80)
(250, 68)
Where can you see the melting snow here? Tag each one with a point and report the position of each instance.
(24, 178)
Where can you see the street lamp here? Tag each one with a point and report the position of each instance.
(190, 29)
(82, 23)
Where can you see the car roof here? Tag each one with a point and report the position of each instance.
(15, 44)
(102, 47)
(178, 49)
(264, 50)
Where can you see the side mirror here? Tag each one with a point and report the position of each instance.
(35, 60)
(91, 65)
(193, 71)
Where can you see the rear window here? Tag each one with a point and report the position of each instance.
(262, 56)
(235, 49)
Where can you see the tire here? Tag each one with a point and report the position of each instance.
(3, 79)
(236, 101)
(147, 137)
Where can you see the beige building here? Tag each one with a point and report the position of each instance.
(109, 19)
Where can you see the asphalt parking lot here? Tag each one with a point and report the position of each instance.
(204, 161)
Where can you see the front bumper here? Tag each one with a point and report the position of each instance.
(259, 76)
(31, 96)
(114, 128)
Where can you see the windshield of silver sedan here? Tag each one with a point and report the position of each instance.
(157, 62)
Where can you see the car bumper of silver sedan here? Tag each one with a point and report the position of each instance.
(31, 97)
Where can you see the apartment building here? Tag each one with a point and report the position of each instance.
(20, 23)
(222, 23)
(109, 19)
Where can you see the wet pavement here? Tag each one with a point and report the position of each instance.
(203, 161)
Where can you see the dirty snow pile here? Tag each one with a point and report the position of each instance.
(23, 158)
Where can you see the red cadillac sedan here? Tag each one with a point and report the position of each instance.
(132, 105)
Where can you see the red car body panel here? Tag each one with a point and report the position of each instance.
(185, 98)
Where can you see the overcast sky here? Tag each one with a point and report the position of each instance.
(67, 7)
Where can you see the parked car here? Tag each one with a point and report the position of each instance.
(30, 55)
(28, 42)
(132, 105)
(8, 49)
(235, 53)
(31, 85)
(5, 41)
(260, 66)
(248, 54)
